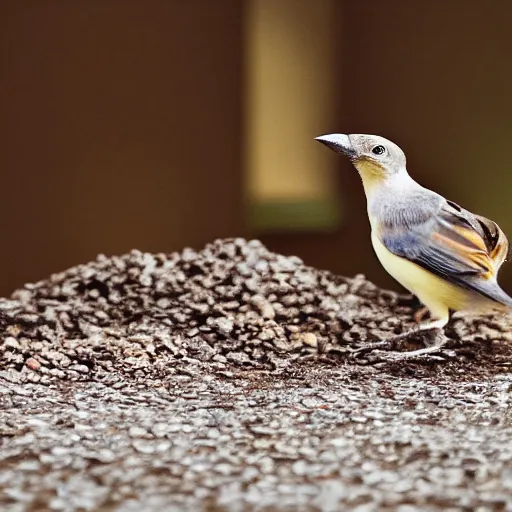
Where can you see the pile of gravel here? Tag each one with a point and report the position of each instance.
(234, 305)
(224, 380)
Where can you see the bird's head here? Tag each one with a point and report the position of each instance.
(376, 158)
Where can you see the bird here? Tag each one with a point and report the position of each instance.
(443, 254)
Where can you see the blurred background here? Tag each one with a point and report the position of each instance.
(163, 124)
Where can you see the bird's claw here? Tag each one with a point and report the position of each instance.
(386, 350)
(428, 355)
(375, 346)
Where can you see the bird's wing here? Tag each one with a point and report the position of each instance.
(452, 243)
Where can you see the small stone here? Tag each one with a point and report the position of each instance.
(137, 432)
(144, 446)
(33, 364)
(300, 467)
(308, 338)
(11, 342)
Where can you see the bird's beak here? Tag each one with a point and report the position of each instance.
(338, 142)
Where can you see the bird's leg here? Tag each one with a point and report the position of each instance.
(392, 344)
(420, 315)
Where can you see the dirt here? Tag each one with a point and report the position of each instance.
(226, 379)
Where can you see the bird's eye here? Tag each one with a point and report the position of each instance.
(378, 150)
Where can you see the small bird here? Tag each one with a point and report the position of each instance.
(445, 255)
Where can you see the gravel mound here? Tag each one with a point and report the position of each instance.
(234, 305)
(224, 380)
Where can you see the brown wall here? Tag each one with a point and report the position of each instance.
(121, 127)
(435, 77)
(122, 122)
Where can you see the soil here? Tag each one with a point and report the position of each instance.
(226, 379)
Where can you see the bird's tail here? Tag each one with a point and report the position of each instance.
(499, 299)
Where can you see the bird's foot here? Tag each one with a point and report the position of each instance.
(390, 349)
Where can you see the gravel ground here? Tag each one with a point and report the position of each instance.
(225, 380)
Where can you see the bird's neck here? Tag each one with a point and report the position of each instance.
(379, 191)
(375, 183)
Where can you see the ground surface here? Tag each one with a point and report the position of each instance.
(225, 380)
